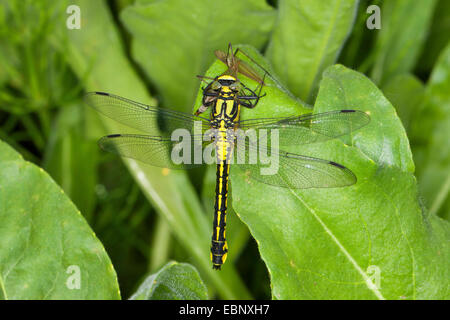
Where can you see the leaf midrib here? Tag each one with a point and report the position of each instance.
(365, 277)
(2, 287)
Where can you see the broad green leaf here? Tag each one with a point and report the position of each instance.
(175, 281)
(434, 177)
(174, 40)
(9, 154)
(372, 240)
(170, 192)
(346, 89)
(404, 27)
(47, 249)
(307, 38)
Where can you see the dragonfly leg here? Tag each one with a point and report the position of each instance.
(204, 77)
(252, 60)
(202, 109)
(254, 96)
(208, 99)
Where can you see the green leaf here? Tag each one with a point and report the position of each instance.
(170, 192)
(342, 88)
(434, 177)
(404, 27)
(406, 93)
(174, 40)
(357, 47)
(437, 37)
(46, 243)
(307, 38)
(337, 243)
(175, 281)
(65, 158)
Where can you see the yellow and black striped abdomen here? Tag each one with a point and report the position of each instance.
(219, 247)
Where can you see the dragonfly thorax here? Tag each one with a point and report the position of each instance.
(225, 112)
(226, 107)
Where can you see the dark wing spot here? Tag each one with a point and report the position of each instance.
(346, 111)
(337, 165)
(113, 135)
(102, 93)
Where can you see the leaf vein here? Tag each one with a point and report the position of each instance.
(365, 277)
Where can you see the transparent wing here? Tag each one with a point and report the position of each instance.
(156, 150)
(143, 117)
(309, 128)
(289, 170)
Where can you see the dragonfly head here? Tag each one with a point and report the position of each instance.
(228, 81)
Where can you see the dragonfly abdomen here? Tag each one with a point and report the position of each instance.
(219, 247)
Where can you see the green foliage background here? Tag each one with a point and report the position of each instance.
(63, 202)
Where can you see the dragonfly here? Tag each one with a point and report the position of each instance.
(222, 131)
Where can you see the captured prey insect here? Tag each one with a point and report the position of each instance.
(225, 95)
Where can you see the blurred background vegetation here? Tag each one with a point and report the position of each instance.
(141, 48)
